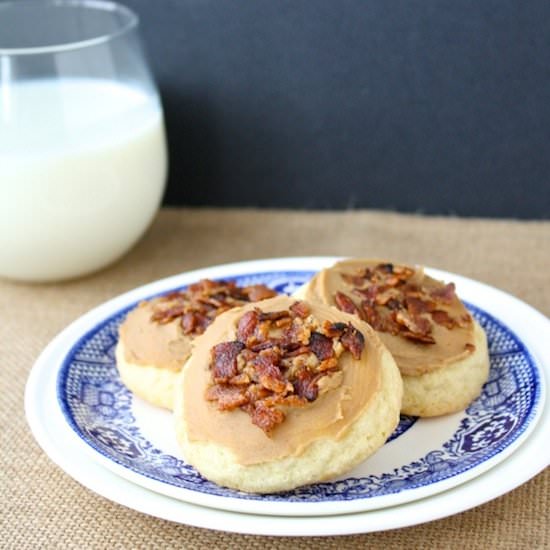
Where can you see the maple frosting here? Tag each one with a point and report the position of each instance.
(413, 357)
(339, 403)
(147, 342)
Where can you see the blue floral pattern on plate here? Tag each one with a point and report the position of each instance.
(99, 409)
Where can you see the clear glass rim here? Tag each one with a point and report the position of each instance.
(131, 22)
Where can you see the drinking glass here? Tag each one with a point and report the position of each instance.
(82, 145)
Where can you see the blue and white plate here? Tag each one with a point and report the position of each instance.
(422, 458)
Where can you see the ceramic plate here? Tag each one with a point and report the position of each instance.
(49, 427)
(422, 458)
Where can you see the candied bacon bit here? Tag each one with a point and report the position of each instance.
(188, 322)
(443, 318)
(321, 346)
(240, 379)
(164, 316)
(266, 417)
(385, 268)
(305, 385)
(416, 306)
(247, 325)
(257, 392)
(300, 309)
(393, 304)
(368, 293)
(444, 294)
(414, 323)
(372, 316)
(283, 323)
(267, 367)
(224, 358)
(385, 295)
(228, 397)
(353, 341)
(260, 346)
(333, 330)
(294, 352)
(255, 293)
(272, 315)
(345, 303)
(201, 323)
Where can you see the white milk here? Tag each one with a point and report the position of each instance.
(82, 173)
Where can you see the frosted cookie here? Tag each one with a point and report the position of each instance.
(440, 350)
(283, 393)
(155, 340)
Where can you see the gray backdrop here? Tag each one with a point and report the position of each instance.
(437, 106)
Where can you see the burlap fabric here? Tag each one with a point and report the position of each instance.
(42, 507)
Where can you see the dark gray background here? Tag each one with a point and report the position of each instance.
(427, 106)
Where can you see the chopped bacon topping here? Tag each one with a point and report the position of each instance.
(321, 346)
(345, 303)
(353, 341)
(224, 360)
(199, 304)
(388, 299)
(277, 361)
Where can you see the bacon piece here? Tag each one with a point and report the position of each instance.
(300, 309)
(384, 268)
(188, 322)
(443, 318)
(333, 330)
(202, 322)
(345, 303)
(416, 306)
(255, 293)
(272, 315)
(385, 295)
(369, 294)
(321, 346)
(266, 417)
(372, 315)
(164, 316)
(260, 346)
(228, 397)
(247, 325)
(224, 359)
(292, 351)
(353, 341)
(305, 385)
(269, 373)
(444, 294)
(393, 304)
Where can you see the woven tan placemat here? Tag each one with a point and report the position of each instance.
(42, 507)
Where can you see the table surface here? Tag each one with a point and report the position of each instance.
(45, 508)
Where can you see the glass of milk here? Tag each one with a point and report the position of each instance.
(82, 146)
